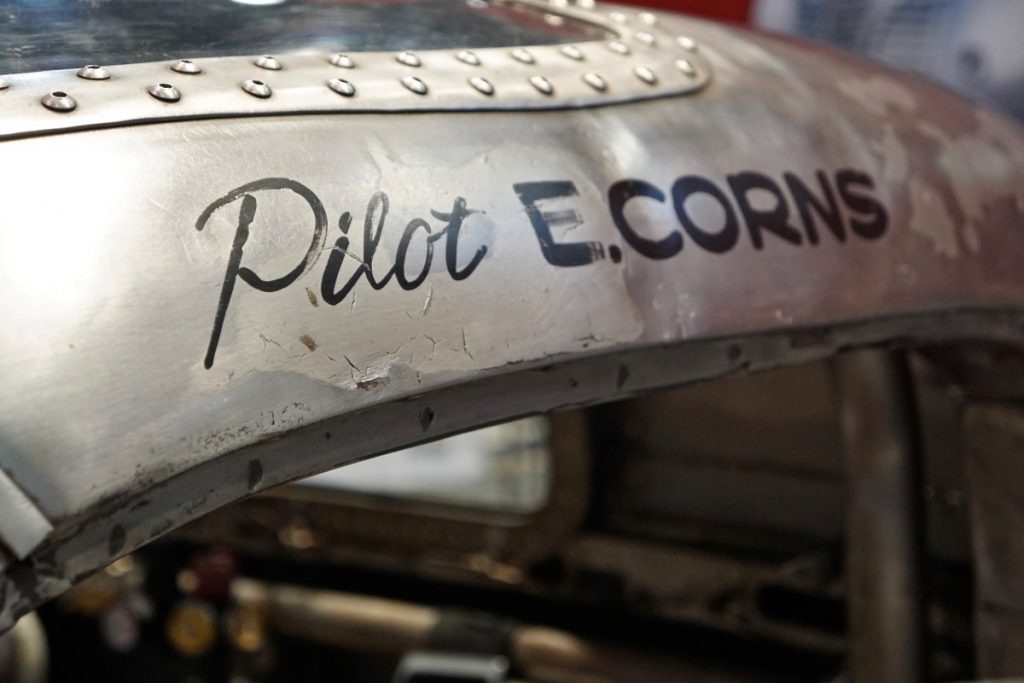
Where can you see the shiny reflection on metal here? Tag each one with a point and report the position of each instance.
(645, 74)
(687, 43)
(186, 66)
(482, 84)
(294, 88)
(4, 83)
(595, 81)
(93, 72)
(646, 38)
(59, 101)
(468, 57)
(257, 88)
(572, 52)
(342, 87)
(415, 85)
(523, 55)
(649, 18)
(619, 47)
(408, 58)
(687, 67)
(554, 19)
(165, 92)
(269, 63)
(542, 85)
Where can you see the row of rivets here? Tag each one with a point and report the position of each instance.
(62, 102)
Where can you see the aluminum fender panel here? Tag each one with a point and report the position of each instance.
(179, 297)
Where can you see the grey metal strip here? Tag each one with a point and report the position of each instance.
(22, 526)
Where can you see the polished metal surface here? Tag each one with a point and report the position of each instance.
(224, 287)
(64, 34)
(585, 73)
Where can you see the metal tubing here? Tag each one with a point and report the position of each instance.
(884, 538)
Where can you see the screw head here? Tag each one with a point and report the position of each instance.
(415, 85)
(687, 67)
(342, 87)
(165, 92)
(59, 101)
(687, 43)
(619, 47)
(409, 58)
(524, 56)
(646, 75)
(595, 81)
(342, 60)
(186, 66)
(93, 72)
(542, 85)
(468, 57)
(257, 89)
(572, 52)
(269, 63)
(483, 85)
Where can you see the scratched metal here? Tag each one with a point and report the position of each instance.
(112, 424)
(303, 83)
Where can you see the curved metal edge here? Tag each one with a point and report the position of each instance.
(120, 526)
(651, 56)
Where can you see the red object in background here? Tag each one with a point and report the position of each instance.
(736, 11)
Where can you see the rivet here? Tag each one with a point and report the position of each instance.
(342, 87)
(59, 101)
(542, 85)
(467, 57)
(646, 75)
(4, 83)
(687, 43)
(649, 18)
(687, 67)
(482, 84)
(408, 58)
(269, 63)
(414, 84)
(646, 38)
(586, 4)
(93, 72)
(619, 17)
(572, 52)
(595, 82)
(553, 19)
(186, 66)
(342, 60)
(257, 89)
(619, 47)
(524, 56)
(558, 3)
(164, 92)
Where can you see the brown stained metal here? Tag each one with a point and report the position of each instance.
(884, 557)
(994, 460)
